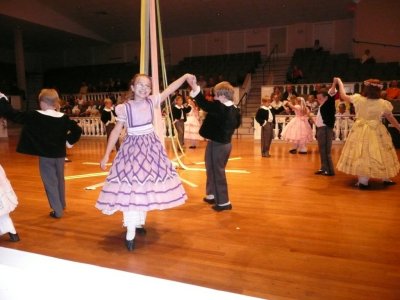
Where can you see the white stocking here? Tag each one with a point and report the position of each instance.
(142, 221)
(6, 225)
(131, 220)
(363, 180)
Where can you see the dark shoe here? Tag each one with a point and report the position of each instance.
(130, 245)
(302, 152)
(293, 151)
(362, 186)
(388, 182)
(141, 230)
(319, 172)
(53, 215)
(67, 160)
(192, 147)
(209, 201)
(14, 237)
(217, 207)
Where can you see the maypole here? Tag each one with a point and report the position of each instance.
(150, 17)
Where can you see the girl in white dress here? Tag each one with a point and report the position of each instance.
(192, 124)
(8, 202)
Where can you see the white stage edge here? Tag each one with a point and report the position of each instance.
(25, 275)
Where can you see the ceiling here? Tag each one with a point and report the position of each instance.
(96, 22)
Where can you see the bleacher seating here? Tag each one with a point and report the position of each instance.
(8, 78)
(68, 80)
(232, 67)
(322, 66)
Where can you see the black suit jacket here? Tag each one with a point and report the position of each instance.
(328, 111)
(262, 114)
(177, 112)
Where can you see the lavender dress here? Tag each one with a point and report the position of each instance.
(142, 177)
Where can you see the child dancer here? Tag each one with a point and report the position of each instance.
(179, 111)
(46, 133)
(223, 117)
(298, 130)
(324, 121)
(142, 177)
(369, 151)
(108, 117)
(8, 202)
(265, 116)
(192, 125)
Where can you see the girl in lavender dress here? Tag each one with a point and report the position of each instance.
(142, 177)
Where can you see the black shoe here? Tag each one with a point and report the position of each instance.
(217, 207)
(14, 237)
(302, 152)
(293, 151)
(362, 186)
(209, 201)
(192, 147)
(130, 245)
(141, 230)
(319, 172)
(53, 215)
(388, 182)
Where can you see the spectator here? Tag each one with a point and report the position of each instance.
(393, 92)
(317, 47)
(367, 58)
(289, 93)
(295, 75)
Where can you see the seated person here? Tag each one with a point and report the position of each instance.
(367, 58)
(393, 91)
(295, 75)
(317, 47)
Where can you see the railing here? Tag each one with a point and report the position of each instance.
(268, 62)
(94, 96)
(307, 88)
(341, 129)
(375, 43)
(91, 126)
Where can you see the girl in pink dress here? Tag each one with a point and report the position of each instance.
(142, 177)
(298, 131)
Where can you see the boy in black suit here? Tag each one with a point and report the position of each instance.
(46, 133)
(265, 116)
(179, 111)
(325, 121)
(223, 117)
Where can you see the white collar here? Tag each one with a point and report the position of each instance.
(51, 113)
(226, 103)
(3, 96)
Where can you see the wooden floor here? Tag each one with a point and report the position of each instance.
(291, 234)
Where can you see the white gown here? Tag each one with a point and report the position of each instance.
(8, 202)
